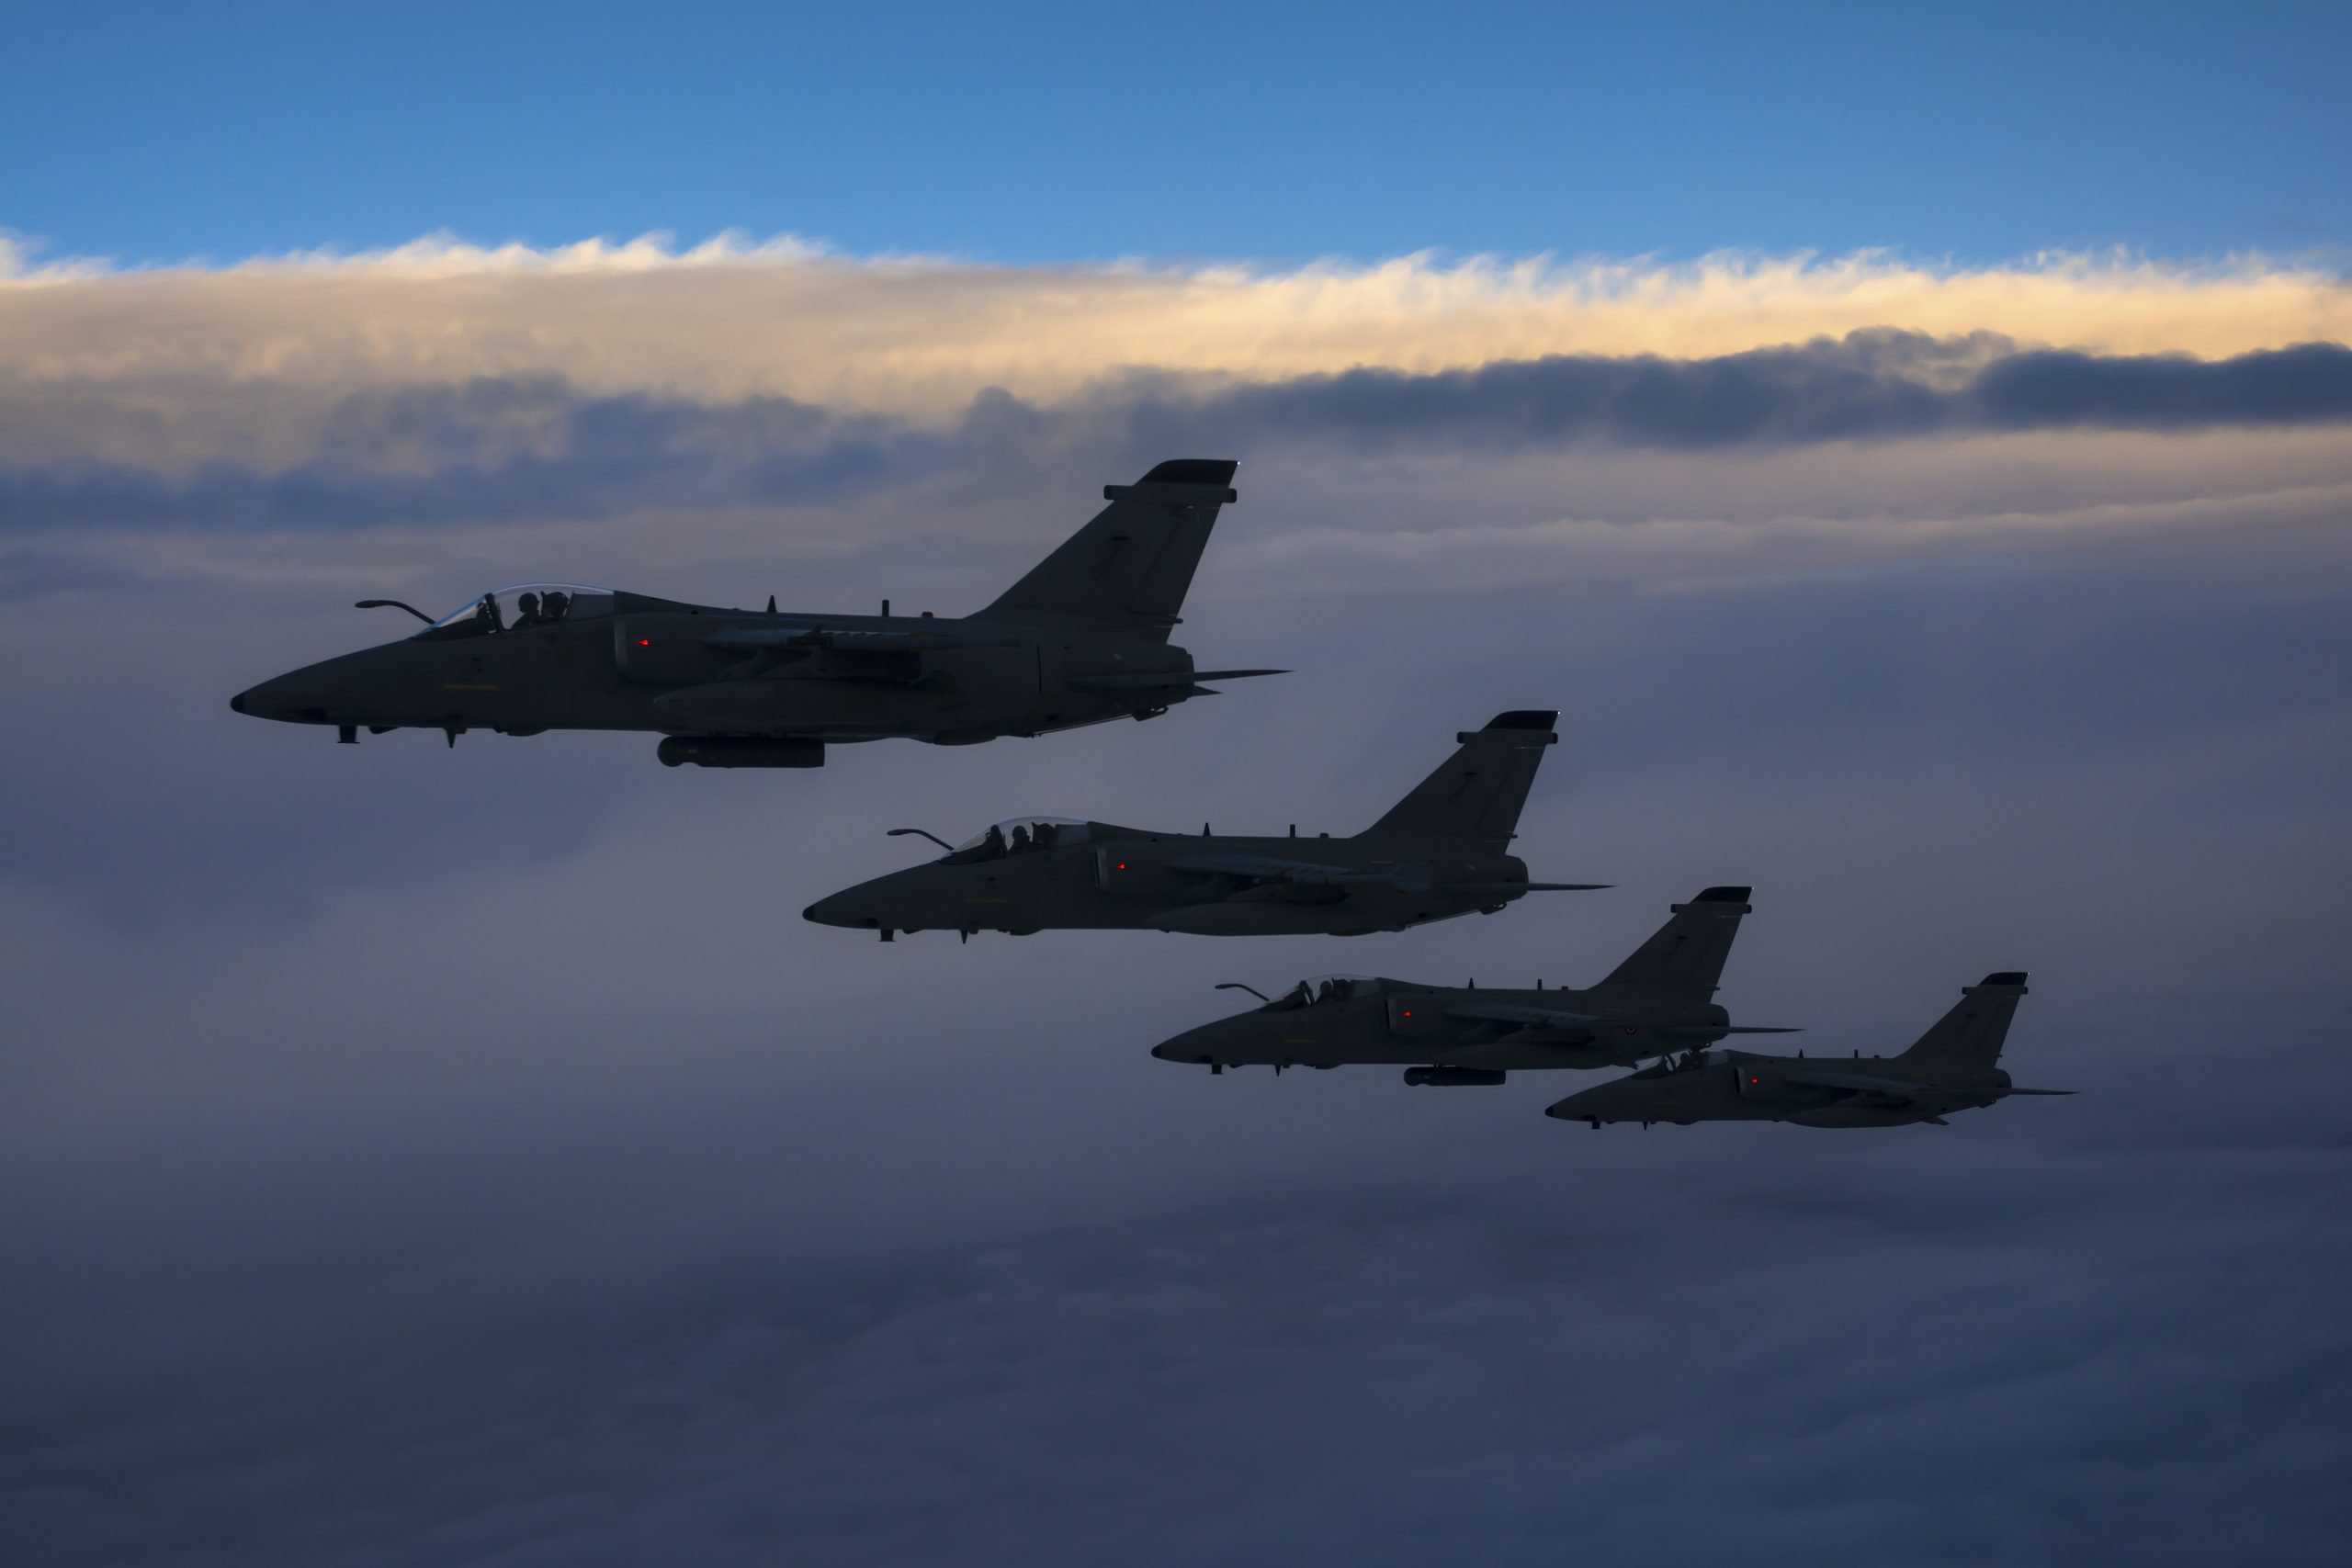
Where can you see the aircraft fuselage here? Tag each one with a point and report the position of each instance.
(1736, 1085)
(1114, 878)
(1475, 1029)
(695, 671)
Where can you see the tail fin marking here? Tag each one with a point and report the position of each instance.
(1969, 1038)
(1477, 793)
(1128, 569)
(1685, 957)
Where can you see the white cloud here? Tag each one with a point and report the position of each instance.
(920, 335)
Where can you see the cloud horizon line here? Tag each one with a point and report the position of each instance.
(446, 253)
(538, 446)
(921, 334)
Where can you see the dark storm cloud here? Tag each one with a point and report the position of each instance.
(495, 449)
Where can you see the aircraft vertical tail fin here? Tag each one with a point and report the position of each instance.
(1477, 793)
(1127, 571)
(1968, 1039)
(1684, 958)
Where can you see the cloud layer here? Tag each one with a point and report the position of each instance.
(419, 1155)
(922, 336)
(539, 447)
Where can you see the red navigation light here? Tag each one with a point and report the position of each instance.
(645, 642)
(1753, 1078)
(1408, 1011)
(1122, 866)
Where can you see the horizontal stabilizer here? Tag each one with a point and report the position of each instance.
(1161, 680)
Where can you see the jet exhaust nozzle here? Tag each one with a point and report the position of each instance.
(739, 751)
(1451, 1077)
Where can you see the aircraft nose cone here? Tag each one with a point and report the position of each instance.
(834, 911)
(295, 697)
(1193, 1046)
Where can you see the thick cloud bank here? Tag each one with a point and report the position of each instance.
(435, 1155)
(539, 447)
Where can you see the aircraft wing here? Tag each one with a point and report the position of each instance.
(1886, 1092)
(1523, 1013)
(1893, 1091)
(850, 639)
(1311, 874)
(1272, 868)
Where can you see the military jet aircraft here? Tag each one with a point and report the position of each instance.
(1950, 1067)
(1438, 853)
(1658, 1000)
(1082, 639)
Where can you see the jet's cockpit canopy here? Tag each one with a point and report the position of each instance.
(1017, 835)
(520, 607)
(1318, 990)
(1671, 1065)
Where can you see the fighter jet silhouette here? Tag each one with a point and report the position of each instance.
(1082, 639)
(1441, 852)
(1954, 1066)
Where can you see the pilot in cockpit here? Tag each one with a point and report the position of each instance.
(551, 608)
(527, 610)
(1020, 837)
(994, 845)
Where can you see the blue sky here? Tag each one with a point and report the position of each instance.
(1041, 131)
